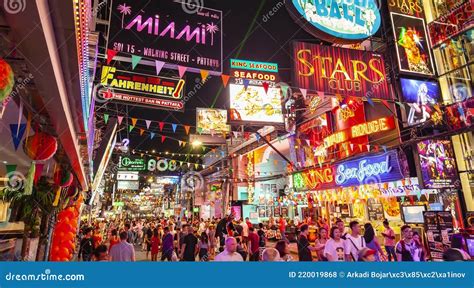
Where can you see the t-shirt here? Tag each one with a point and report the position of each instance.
(413, 249)
(261, 239)
(191, 241)
(225, 256)
(167, 242)
(254, 239)
(122, 251)
(387, 240)
(352, 245)
(245, 229)
(335, 249)
(304, 253)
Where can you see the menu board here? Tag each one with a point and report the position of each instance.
(375, 210)
(345, 211)
(439, 228)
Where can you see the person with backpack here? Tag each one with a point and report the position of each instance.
(408, 249)
(354, 242)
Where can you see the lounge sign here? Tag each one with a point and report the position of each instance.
(141, 89)
(164, 31)
(339, 21)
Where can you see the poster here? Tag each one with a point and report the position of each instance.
(141, 89)
(407, 7)
(452, 22)
(438, 228)
(437, 163)
(375, 210)
(412, 45)
(237, 212)
(333, 70)
(420, 98)
(211, 121)
(254, 104)
(163, 31)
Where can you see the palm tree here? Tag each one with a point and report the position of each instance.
(124, 10)
(212, 28)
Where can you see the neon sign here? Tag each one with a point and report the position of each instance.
(369, 170)
(253, 65)
(314, 179)
(345, 21)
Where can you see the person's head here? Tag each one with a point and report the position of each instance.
(231, 245)
(407, 233)
(270, 255)
(155, 232)
(304, 229)
(247, 219)
(88, 232)
(190, 229)
(123, 236)
(369, 233)
(323, 233)
(204, 237)
(185, 228)
(340, 225)
(386, 224)
(367, 255)
(416, 237)
(166, 230)
(114, 232)
(100, 253)
(355, 228)
(251, 229)
(335, 233)
(127, 226)
(455, 254)
(260, 225)
(282, 248)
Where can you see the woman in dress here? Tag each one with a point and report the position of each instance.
(155, 245)
(321, 243)
(203, 246)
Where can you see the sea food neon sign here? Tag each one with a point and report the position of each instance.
(337, 20)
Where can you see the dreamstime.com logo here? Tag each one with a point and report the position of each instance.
(192, 181)
(102, 93)
(14, 181)
(14, 6)
(192, 6)
(45, 276)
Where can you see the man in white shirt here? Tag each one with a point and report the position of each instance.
(230, 252)
(245, 231)
(354, 242)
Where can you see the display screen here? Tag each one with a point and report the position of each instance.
(420, 97)
(413, 214)
(438, 166)
(254, 104)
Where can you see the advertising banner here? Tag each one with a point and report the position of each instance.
(255, 105)
(142, 89)
(210, 121)
(164, 31)
(412, 45)
(439, 229)
(419, 97)
(407, 7)
(334, 71)
(438, 165)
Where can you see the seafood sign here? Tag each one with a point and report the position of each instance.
(162, 31)
(340, 21)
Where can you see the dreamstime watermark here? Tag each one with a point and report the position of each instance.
(106, 91)
(192, 6)
(273, 11)
(14, 6)
(192, 181)
(14, 181)
(198, 86)
(45, 276)
(20, 85)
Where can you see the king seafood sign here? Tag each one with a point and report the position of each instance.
(334, 70)
(339, 21)
(162, 30)
(140, 89)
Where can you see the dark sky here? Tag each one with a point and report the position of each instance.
(269, 41)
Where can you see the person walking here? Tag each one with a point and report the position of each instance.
(100, 254)
(212, 240)
(253, 246)
(203, 247)
(283, 250)
(304, 248)
(123, 251)
(354, 242)
(334, 248)
(189, 247)
(372, 242)
(230, 252)
(389, 241)
(86, 247)
(321, 243)
(407, 248)
(155, 245)
(167, 248)
(114, 239)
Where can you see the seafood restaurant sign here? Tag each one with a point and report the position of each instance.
(163, 31)
(338, 21)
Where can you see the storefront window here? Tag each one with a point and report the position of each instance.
(455, 53)
(464, 150)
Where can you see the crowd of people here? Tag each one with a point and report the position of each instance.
(227, 239)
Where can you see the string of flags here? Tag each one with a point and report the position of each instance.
(172, 154)
(179, 163)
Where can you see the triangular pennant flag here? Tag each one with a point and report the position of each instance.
(368, 147)
(152, 135)
(304, 92)
(174, 126)
(370, 101)
(130, 128)
(189, 164)
(106, 118)
(10, 168)
(147, 122)
(17, 137)
(257, 136)
(265, 86)
(203, 148)
(184, 143)
(134, 122)
(180, 143)
(360, 147)
(186, 128)
(38, 170)
(159, 65)
(163, 138)
(352, 146)
(161, 125)
(196, 166)
(284, 89)
(236, 134)
(110, 55)
(141, 132)
(120, 119)
(246, 83)
(225, 79)
(181, 70)
(199, 130)
(135, 60)
(204, 74)
(180, 163)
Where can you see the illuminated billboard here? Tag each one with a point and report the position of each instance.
(210, 121)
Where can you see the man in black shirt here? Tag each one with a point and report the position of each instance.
(189, 248)
(304, 248)
(86, 247)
